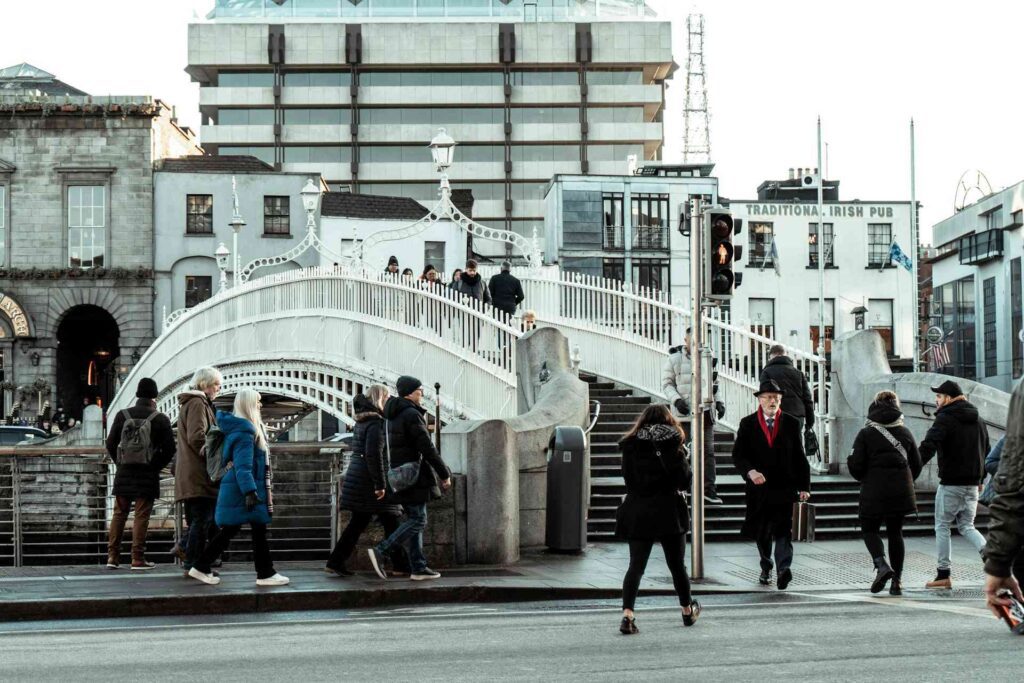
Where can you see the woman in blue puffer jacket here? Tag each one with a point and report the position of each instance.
(246, 492)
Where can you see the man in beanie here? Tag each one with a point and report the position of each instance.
(408, 441)
(141, 443)
(769, 454)
(392, 268)
(506, 290)
(961, 441)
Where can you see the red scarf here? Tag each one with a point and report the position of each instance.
(770, 436)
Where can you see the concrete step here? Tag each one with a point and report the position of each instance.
(602, 394)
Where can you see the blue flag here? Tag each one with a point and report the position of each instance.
(896, 254)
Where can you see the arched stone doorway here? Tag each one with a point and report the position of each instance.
(88, 340)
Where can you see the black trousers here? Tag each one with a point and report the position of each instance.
(260, 550)
(783, 549)
(870, 527)
(354, 529)
(640, 552)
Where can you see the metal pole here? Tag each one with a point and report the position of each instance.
(437, 416)
(696, 388)
(819, 414)
(234, 246)
(16, 509)
(334, 499)
(916, 253)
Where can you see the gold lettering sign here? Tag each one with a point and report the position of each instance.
(19, 321)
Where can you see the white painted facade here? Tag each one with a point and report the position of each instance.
(340, 232)
(977, 288)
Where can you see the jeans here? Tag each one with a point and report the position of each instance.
(955, 505)
(783, 550)
(199, 516)
(640, 551)
(709, 454)
(894, 531)
(143, 509)
(410, 535)
(260, 550)
(354, 529)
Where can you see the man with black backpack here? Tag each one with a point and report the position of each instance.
(141, 444)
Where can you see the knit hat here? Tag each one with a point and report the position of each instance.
(407, 384)
(147, 389)
(392, 261)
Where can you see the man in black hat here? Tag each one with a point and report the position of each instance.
(769, 455)
(407, 442)
(960, 439)
(141, 443)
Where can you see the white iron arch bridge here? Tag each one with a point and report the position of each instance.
(319, 335)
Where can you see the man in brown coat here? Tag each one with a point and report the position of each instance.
(192, 484)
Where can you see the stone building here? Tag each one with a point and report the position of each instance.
(76, 237)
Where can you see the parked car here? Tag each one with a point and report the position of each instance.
(17, 435)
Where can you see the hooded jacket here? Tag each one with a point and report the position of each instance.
(655, 468)
(796, 392)
(367, 468)
(407, 440)
(676, 377)
(473, 286)
(1006, 527)
(247, 473)
(960, 439)
(886, 477)
(195, 415)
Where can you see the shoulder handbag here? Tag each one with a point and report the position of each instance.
(404, 476)
(682, 509)
(893, 441)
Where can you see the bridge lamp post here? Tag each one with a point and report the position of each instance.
(310, 199)
(442, 148)
(236, 227)
(222, 254)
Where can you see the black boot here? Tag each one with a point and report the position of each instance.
(883, 572)
(895, 588)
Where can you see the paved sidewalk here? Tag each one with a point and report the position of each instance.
(93, 592)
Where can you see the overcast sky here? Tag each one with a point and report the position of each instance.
(865, 67)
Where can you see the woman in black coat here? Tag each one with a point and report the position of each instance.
(886, 462)
(365, 475)
(656, 471)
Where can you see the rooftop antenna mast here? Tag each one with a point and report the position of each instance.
(696, 119)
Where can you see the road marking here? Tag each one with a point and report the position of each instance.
(911, 604)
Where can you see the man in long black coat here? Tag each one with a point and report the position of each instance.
(769, 455)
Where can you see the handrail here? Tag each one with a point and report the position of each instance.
(90, 451)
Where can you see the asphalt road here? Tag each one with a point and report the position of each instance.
(792, 636)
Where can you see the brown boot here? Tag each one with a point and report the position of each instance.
(940, 582)
(113, 561)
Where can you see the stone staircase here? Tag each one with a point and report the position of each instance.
(835, 497)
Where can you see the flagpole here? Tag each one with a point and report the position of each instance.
(916, 251)
(821, 252)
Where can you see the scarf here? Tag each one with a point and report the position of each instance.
(897, 423)
(770, 436)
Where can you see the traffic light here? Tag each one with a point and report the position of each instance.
(720, 281)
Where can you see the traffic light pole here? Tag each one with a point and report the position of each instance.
(697, 266)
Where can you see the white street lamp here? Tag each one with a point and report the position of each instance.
(442, 148)
(222, 254)
(310, 200)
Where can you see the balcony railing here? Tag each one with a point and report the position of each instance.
(981, 247)
(650, 237)
(614, 237)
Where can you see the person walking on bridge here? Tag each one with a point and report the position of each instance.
(506, 290)
(140, 443)
(960, 439)
(364, 486)
(407, 441)
(797, 400)
(886, 462)
(769, 454)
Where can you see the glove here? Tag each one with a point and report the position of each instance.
(251, 501)
(682, 405)
(720, 409)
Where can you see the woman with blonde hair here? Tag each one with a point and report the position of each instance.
(886, 462)
(362, 490)
(246, 492)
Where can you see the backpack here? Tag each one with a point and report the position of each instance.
(213, 451)
(136, 445)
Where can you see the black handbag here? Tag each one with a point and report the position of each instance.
(810, 443)
(682, 509)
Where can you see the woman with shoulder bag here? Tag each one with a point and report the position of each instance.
(886, 462)
(246, 493)
(362, 490)
(656, 471)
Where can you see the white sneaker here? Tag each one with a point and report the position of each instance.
(275, 580)
(208, 579)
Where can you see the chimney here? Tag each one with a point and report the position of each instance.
(800, 172)
(792, 174)
(815, 171)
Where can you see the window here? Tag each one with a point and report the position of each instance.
(613, 221)
(651, 273)
(879, 317)
(614, 269)
(615, 115)
(264, 154)
(988, 303)
(87, 219)
(433, 254)
(199, 214)
(1016, 317)
(955, 301)
(760, 252)
(650, 221)
(275, 216)
(3, 225)
(615, 77)
(545, 78)
(980, 247)
(432, 78)
(317, 79)
(198, 288)
(813, 249)
(317, 117)
(762, 316)
(879, 241)
(992, 218)
(815, 319)
(246, 79)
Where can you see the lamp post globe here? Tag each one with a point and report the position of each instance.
(442, 148)
(310, 196)
(222, 254)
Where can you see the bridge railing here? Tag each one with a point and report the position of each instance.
(624, 335)
(380, 325)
